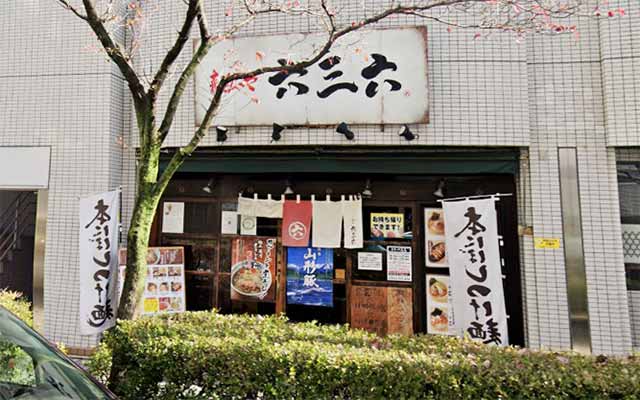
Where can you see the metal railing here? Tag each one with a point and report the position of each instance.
(14, 221)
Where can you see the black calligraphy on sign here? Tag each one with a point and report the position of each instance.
(280, 78)
(286, 81)
(483, 327)
(102, 309)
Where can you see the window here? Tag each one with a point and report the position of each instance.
(629, 194)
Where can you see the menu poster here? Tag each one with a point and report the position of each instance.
(369, 261)
(439, 305)
(253, 269)
(369, 308)
(164, 283)
(387, 225)
(435, 240)
(173, 217)
(229, 224)
(310, 276)
(400, 310)
(399, 263)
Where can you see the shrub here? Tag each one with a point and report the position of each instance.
(20, 369)
(205, 355)
(14, 302)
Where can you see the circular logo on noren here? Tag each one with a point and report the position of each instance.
(297, 230)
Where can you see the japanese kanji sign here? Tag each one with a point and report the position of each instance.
(381, 74)
(475, 269)
(98, 261)
(310, 276)
(253, 269)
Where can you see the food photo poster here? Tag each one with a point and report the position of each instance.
(440, 319)
(435, 241)
(164, 291)
(253, 269)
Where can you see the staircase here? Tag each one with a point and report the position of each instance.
(17, 224)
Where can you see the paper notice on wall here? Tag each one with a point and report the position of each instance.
(173, 217)
(387, 225)
(440, 318)
(369, 261)
(475, 269)
(229, 223)
(248, 225)
(399, 263)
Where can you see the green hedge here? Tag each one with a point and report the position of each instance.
(14, 302)
(210, 356)
(15, 365)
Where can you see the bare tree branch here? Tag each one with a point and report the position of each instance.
(194, 9)
(114, 51)
(65, 4)
(206, 42)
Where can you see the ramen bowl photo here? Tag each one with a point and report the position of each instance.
(250, 278)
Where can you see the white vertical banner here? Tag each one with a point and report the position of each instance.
(475, 269)
(98, 261)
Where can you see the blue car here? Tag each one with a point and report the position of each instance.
(30, 368)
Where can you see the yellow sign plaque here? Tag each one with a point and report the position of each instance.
(547, 243)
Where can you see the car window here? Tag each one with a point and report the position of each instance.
(30, 369)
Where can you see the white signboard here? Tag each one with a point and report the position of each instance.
(475, 269)
(24, 167)
(399, 263)
(381, 74)
(369, 261)
(173, 217)
(440, 319)
(98, 261)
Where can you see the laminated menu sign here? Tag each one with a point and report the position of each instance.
(310, 276)
(435, 240)
(387, 225)
(475, 269)
(440, 319)
(164, 290)
(399, 263)
(382, 310)
(253, 269)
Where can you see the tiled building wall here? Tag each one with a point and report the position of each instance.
(539, 95)
(55, 91)
(620, 54)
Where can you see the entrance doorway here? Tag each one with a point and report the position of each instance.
(17, 233)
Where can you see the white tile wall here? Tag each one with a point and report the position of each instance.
(538, 95)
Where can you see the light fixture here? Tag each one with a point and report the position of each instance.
(208, 188)
(367, 193)
(439, 192)
(288, 189)
(221, 133)
(277, 132)
(343, 129)
(406, 133)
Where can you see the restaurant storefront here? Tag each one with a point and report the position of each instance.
(362, 291)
